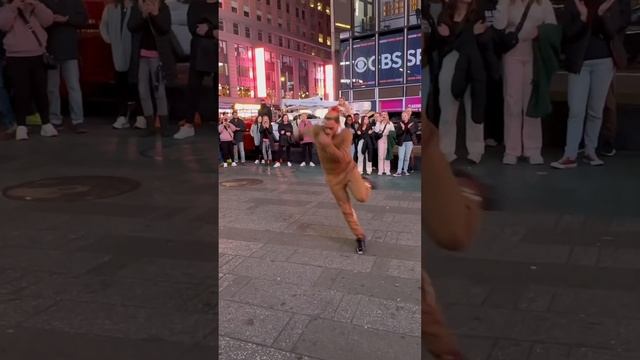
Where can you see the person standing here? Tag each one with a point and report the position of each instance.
(382, 130)
(523, 134)
(114, 31)
(7, 117)
(266, 133)
(365, 144)
(257, 139)
(150, 24)
(459, 24)
(69, 17)
(406, 130)
(265, 109)
(238, 138)
(24, 23)
(307, 140)
(200, 18)
(285, 131)
(593, 29)
(341, 173)
(226, 130)
(350, 126)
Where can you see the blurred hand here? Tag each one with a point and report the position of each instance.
(202, 29)
(480, 27)
(444, 30)
(60, 19)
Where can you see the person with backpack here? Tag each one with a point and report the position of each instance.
(114, 31)
(24, 22)
(69, 17)
(200, 18)
(150, 24)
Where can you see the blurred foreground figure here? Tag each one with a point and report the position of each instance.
(451, 210)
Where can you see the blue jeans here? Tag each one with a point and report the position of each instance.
(404, 154)
(587, 93)
(71, 73)
(7, 117)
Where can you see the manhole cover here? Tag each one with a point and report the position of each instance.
(71, 188)
(241, 182)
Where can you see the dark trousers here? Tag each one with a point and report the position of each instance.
(127, 96)
(307, 150)
(196, 79)
(227, 150)
(285, 152)
(494, 113)
(610, 118)
(28, 78)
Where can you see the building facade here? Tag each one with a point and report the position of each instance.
(273, 49)
(377, 52)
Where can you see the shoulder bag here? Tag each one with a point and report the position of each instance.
(505, 41)
(49, 62)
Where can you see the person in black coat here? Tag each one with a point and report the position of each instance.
(200, 18)
(462, 76)
(365, 145)
(285, 131)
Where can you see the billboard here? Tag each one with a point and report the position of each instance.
(364, 63)
(414, 56)
(391, 61)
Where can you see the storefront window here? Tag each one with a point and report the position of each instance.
(319, 79)
(345, 65)
(223, 70)
(414, 17)
(391, 14)
(246, 82)
(271, 74)
(364, 17)
(286, 77)
(303, 79)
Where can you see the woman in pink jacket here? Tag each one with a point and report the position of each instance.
(226, 130)
(305, 128)
(523, 135)
(24, 22)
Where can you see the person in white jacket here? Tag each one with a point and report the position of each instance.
(114, 31)
(383, 128)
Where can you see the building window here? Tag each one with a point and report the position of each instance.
(280, 24)
(303, 79)
(327, 10)
(320, 6)
(220, 25)
(234, 7)
(364, 17)
(280, 41)
(392, 14)
(320, 38)
(286, 77)
(246, 11)
(279, 2)
(270, 66)
(312, 3)
(303, 15)
(304, 34)
(259, 35)
(268, 2)
(288, 43)
(318, 77)
(236, 29)
(269, 18)
(223, 70)
(297, 46)
(288, 26)
(246, 81)
(287, 6)
(247, 32)
(297, 12)
(329, 40)
(259, 16)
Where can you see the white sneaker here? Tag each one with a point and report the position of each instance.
(141, 123)
(509, 159)
(475, 158)
(225, 165)
(289, 163)
(312, 164)
(262, 162)
(258, 162)
(593, 160)
(303, 164)
(536, 160)
(234, 164)
(491, 142)
(22, 133)
(277, 165)
(121, 123)
(184, 132)
(47, 130)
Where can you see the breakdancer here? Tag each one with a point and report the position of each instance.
(341, 173)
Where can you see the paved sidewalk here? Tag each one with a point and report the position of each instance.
(555, 275)
(124, 278)
(291, 285)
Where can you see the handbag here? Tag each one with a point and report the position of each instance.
(50, 62)
(505, 41)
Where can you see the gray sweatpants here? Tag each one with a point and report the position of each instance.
(151, 83)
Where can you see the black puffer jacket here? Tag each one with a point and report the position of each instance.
(369, 143)
(283, 129)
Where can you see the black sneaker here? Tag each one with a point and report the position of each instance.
(369, 182)
(607, 150)
(78, 129)
(360, 246)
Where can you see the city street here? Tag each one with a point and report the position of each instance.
(554, 275)
(291, 285)
(99, 268)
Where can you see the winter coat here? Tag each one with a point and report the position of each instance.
(368, 142)
(546, 61)
(391, 143)
(238, 134)
(285, 140)
(267, 133)
(203, 47)
(226, 132)
(63, 38)
(18, 40)
(406, 132)
(265, 110)
(255, 134)
(119, 37)
(305, 128)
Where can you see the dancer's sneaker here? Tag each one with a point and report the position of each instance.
(360, 246)
(368, 181)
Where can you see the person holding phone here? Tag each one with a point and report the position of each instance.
(24, 22)
(150, 24)
(226, 131)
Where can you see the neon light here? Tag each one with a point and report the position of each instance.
(261, 77)
(328, 81)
